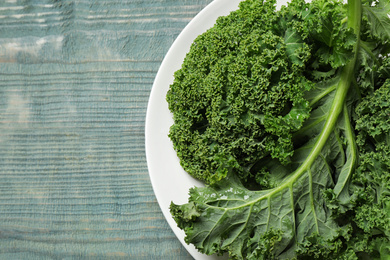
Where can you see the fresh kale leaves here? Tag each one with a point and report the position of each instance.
(286, 117)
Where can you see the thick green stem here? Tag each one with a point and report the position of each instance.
(354, 20)
(355, 15)
(342, 88)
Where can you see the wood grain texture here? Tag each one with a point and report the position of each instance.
(75, 78)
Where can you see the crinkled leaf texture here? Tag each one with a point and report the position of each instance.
(377, 16)
(239, 93)
(372, 177)
(330, 198)
(275, 223)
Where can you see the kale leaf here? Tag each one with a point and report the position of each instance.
(285, 115)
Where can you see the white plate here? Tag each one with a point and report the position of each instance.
(169, 181)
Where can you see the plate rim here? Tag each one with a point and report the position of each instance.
(172, 61)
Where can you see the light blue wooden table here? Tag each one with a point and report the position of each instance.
(75, 77)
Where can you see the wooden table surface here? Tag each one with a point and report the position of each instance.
(75, 78)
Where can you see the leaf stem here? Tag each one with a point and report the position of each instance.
(323, 94)
(354, 20)
(337, 107)
(351, 153)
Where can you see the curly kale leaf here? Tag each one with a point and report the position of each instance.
(336, 42)
(241, 92)
(373, 119)
(285, 116)
(375, 46)
(377, 16)
(280, 222)
(372, 214)
(275, 223)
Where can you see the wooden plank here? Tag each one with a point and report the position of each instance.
(75, 77)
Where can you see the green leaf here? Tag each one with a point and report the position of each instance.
(239, 93)
(295, 47)
(301, 160)
(378, 18)
(228, 217)
(335, 40)
(235, 220)
(231, 218)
